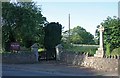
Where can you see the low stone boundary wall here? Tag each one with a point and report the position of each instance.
(21, 57)
(105, 64)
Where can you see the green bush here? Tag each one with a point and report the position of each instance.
(52, 38)
(116, 51)
(41, 49)
(66, 45)
(108, 49)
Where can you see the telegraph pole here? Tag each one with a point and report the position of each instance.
(69, 26)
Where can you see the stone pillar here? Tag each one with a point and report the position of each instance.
(34, 48)
(59, 49)
(100, 51)
(101, 29)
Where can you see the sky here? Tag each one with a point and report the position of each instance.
(82, 13)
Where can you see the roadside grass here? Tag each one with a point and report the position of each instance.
(90, 49)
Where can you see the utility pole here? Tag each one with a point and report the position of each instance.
(69, 26)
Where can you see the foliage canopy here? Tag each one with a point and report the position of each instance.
(111, 33)
(23, 23)
(52, 38)
(78, 35)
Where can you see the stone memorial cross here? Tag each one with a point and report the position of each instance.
(101, 30)
(100, 51)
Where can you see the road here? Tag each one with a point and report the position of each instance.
(8, 71)
(50, 69)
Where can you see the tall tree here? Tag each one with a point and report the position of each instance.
(52, 38)
(8, 21)
(79, 35)
(22, 22)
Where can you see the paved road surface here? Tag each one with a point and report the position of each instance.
(50, 69)
(8, 71)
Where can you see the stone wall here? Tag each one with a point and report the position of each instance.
(21, 57)
(105, 64)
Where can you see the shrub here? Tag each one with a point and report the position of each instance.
(116, 51)
(107, 49)
(52, 38)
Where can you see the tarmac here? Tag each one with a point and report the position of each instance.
(60, 68)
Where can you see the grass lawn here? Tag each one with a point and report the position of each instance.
(81, 49)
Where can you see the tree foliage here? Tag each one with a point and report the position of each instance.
(52, 38)
(78, 35)
(23, 23)
(111, 32)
